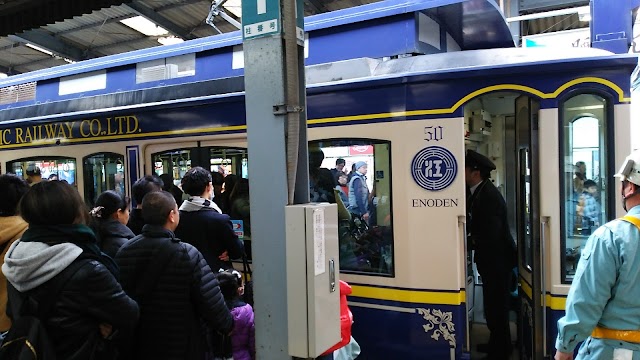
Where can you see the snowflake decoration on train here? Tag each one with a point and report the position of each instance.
(441, 323)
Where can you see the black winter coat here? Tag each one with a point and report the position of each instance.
(90, 297)
(489, 229)
(112, 235)
(136, 222)
(212, 234)
(185, 297)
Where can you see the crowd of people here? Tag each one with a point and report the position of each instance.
(154, 281)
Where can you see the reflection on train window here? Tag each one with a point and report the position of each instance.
(36, 169)
(585, 164)
(363, 196)
(102, 172)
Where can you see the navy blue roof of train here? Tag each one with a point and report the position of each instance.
(520, 67)
(386, 28)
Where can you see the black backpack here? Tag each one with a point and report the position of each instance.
(28, 339)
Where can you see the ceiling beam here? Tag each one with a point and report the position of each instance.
(317, 6)
(44, 40)
(117, 19)
(8, 70)
(30, 14)
(158, 19)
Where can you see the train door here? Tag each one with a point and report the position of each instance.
(531, 317)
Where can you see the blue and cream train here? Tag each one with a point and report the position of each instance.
(104, 123)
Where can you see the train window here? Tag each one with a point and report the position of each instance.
(585, 185)
(229, 161)
(102, 172)
(47, 168)
(229, 168)
(363, 196)
(175, 162)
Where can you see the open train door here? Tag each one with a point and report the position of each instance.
(531, 317)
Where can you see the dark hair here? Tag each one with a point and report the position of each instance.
(33, 170)
(167, 181)
(53, 203)
(217, 179)
(229, 283)
(230, 182)
(241, 189)
(108, 203)
(316, 156)
(195, 181)
(340, 161)
(12, 189)
(156, 207)
(144, 186)
(589, 183)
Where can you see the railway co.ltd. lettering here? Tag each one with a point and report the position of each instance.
(84, 128)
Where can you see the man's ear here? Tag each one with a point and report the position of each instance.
(172, 217)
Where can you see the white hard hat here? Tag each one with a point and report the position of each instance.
(630, 170)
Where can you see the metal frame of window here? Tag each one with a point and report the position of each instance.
(336, 142)
(609, 154)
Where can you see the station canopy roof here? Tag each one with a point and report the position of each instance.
(40, 34)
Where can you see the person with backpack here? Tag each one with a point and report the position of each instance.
(12, 188)
(57, 273)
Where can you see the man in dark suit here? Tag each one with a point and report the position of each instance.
(494, 249)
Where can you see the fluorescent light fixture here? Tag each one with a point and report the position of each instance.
(142, 25)
(38, 48)
(3, 75)
(169, 40)
(234, 7)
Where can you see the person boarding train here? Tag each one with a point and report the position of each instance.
(494, 249)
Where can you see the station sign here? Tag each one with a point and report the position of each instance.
(263, 18)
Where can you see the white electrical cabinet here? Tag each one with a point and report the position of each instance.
(313, 291)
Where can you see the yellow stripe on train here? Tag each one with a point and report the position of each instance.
(411, 296)
(554, 302)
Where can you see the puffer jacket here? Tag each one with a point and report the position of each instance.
(91, 296)
(212, 234)
(185, 296)
(11, 229)
(112, 235)
(243, 339)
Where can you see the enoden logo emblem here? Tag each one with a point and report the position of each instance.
(434, 168)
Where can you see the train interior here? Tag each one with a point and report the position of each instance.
(490, 130)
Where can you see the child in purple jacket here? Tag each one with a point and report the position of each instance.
(241, 344)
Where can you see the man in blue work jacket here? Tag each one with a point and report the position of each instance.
(603, 305)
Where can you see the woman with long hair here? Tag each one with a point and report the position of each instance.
(91, 309)
(110, 216)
